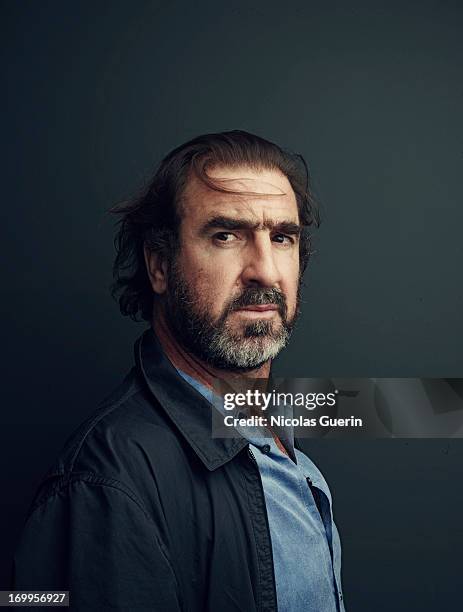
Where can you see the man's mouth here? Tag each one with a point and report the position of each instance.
(258, 310)
(259, 307)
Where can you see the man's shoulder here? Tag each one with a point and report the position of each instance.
(126, 439)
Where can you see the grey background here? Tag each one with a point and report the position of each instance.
(96, 92)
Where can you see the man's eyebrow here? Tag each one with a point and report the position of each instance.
(232, 223)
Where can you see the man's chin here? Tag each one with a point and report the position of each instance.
(247, 353)
(256, 329)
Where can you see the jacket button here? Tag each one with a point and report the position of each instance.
(265, 449)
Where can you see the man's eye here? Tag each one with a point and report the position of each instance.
(283, 239)
(225, 237)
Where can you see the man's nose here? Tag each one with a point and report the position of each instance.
(260, 267)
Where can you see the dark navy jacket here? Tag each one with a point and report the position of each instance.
(144, 510)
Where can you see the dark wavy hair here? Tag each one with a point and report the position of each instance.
(152, 218)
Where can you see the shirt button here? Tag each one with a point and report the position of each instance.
(265, 449)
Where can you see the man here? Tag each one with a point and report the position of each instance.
(145, 509)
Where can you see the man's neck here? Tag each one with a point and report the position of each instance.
(195, 367)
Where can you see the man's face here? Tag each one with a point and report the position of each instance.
(233, 289)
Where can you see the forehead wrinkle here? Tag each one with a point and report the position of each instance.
(260, 218)
(197, 197)
(242, 182)
(243, 210)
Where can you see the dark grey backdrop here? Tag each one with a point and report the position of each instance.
(371, 94)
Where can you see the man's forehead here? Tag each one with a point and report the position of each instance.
(251, 193)
(261, 184)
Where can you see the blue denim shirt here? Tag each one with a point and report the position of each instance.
(305, 542)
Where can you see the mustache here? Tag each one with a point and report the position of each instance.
(259, 296)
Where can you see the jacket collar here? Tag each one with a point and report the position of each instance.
(186, 407)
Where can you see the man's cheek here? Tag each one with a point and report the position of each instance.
(207, 290)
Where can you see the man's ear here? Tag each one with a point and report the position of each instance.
(157, 270)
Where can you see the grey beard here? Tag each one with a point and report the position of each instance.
(213, 342)
(258, 345)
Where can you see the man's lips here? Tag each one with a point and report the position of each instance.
(259, 307)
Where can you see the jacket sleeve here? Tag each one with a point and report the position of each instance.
(95, 540)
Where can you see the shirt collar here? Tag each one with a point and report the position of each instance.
(254, 434)
(186, 407)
